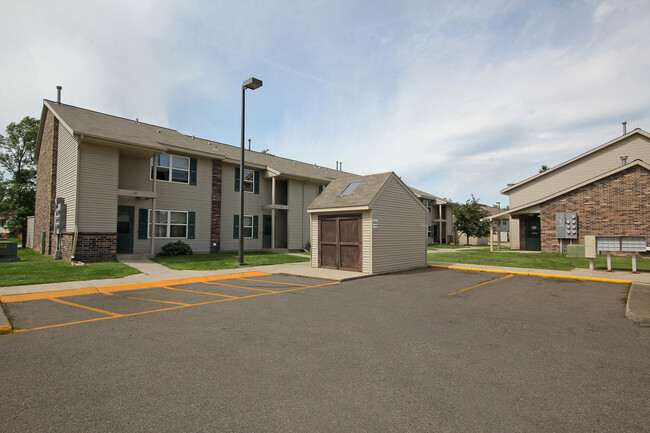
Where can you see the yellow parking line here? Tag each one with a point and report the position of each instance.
(202, 293)
(96, 310)
(157, 300)
(274, 282)
(478, 285)
(125, 287)
(113, 315)
(240, 287)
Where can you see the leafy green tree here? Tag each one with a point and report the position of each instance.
(543, 168)
(467, 219)
(18, 190)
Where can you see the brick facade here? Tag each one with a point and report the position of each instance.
(616, 205)
(46, 185)
(96, 247)
(215, 220)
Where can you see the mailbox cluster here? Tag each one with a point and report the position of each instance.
(566, 225)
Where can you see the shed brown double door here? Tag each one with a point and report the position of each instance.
(339, 242)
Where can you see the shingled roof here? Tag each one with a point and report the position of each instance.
(131, 132)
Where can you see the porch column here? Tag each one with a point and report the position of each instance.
(440, 224)
(491, 235)
(153, 206)
(273, 213)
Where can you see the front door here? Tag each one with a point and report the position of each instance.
(533, 234)
(267, 231)
(125, 229)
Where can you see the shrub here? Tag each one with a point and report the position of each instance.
(308, 246)
(178, 248)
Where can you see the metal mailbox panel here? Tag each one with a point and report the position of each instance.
(566, 225)
(633, 243)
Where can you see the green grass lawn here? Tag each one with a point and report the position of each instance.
(210, 262)
(558, 262)
(37, 269)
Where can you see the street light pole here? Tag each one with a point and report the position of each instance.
(251, 83)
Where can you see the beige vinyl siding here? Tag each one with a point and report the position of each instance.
(135, 173)
(366, 243)
(314, 240)
(178, 197)
(99, 168)
(300, 195)
(66, 175)
(252, 206)
(399, 242)
(636, 147)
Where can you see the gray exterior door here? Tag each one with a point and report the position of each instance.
(125, 229)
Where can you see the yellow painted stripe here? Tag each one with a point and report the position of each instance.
(5, 329)
(274, 282)
(157, 300)
(172, 308)
(534, 274)
(96, 310)
(202, 293)
(125, 287)
(478, 285)
(240, 287)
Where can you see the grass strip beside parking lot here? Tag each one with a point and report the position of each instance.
(211, 262)
(34, 268)
(556, 262)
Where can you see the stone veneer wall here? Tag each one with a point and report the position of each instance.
(46, 185)
(215, 221)
(616, 205)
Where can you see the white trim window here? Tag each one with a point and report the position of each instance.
(429, 205)
(249, 180)
(168, 224)
(247, 231)
(429, 230)
(172, 168)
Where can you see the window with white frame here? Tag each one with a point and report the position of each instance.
(249, 180)
(172, 168)
(429, 234)
(169, 224)
(429, 205)
(247, 230)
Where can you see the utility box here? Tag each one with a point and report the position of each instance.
(566, 225)
(575, 251)
(590, 247)
(9, 252)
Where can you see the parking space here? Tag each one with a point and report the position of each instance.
(426, 350)
(45, 310)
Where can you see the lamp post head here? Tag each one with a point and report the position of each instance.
(252, 83)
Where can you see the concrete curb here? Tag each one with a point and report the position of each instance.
(5, 326)
(638, 303)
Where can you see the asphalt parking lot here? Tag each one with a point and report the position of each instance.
(428, 350)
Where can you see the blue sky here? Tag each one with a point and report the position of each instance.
(457, 98)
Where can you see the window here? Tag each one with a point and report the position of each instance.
(169, 224)
(321, 188)
(429, 235)
(248, 226)
(249, 181)
(350, 189)
(429, 205)
(172, 168)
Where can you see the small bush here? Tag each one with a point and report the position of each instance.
(178, 248)
(307, 246)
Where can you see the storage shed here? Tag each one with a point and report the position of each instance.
(371, 224)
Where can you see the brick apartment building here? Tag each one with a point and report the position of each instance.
(608, 189)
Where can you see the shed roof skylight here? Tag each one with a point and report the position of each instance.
(350, 189)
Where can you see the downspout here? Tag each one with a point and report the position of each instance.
(76, 203)
(273, 213)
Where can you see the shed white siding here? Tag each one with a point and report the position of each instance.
(366, 242)
(399, 241)
(66, 174)
(98, 179)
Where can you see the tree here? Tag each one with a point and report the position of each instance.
(543, 168)
(467, 219)
(266, 152)
(18, 191)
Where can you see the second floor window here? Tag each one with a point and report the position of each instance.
(172, 168)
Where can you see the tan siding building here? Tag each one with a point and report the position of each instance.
(373, 224)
